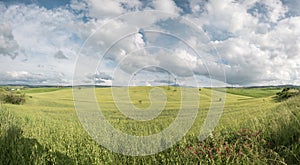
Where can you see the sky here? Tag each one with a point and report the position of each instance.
(150, 42)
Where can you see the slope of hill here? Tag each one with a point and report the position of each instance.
(253, 128)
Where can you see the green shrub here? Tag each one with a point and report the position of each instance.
(12, 98)
(286, 93)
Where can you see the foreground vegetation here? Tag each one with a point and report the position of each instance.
(253, 128)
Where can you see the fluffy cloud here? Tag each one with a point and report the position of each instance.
(24, 77)
(275, 9)
(257, 42)
(35, 34)
(99, 78)
(8, 45)
(104, 8)
(166, 6)
(99, 75)
(107, 8)
(255, 58)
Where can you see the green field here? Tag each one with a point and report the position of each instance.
(253, 128)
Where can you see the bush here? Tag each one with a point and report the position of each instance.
(285, 94)
(13, 98)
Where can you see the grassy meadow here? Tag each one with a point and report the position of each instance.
(254, 128)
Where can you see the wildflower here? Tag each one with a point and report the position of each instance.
(227, 149)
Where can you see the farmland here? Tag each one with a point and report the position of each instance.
(254, 127)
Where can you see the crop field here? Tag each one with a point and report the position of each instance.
(253, 128)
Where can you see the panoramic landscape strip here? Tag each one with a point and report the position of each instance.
(149, 82)
(40, 126)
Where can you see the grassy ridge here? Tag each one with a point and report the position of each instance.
(41, 90)
(253, 92)
(251, 129)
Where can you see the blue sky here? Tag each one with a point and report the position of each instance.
(201, 43)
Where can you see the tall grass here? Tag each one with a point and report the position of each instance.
(34, 138)
(17, 149)
(14, 148)
(270, 139)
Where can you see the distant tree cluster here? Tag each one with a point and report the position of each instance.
(286, 93)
